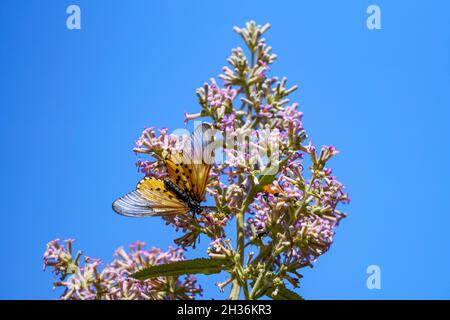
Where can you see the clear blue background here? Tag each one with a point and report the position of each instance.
(73, 103)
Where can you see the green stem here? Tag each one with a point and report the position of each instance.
(240, 218)
(235, 290)
(252, 62)
(240, 250)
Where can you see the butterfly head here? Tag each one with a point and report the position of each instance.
(194, 206)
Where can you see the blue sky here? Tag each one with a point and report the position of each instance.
(73, 103)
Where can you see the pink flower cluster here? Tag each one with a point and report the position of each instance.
(83, 278)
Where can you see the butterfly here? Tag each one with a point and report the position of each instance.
(272, 189)
(182, 190)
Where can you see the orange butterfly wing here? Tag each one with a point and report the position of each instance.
(151, 198)
(190, 168)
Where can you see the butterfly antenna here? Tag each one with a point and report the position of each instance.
(213, 208)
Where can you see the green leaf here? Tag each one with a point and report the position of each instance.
(177, 268)
(283, 294)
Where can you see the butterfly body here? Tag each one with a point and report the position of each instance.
(192, 204)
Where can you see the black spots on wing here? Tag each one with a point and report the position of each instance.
(170, 197)
(177, 170)
(190, 171)
(158, 189)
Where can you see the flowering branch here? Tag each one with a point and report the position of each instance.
(271, 180)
